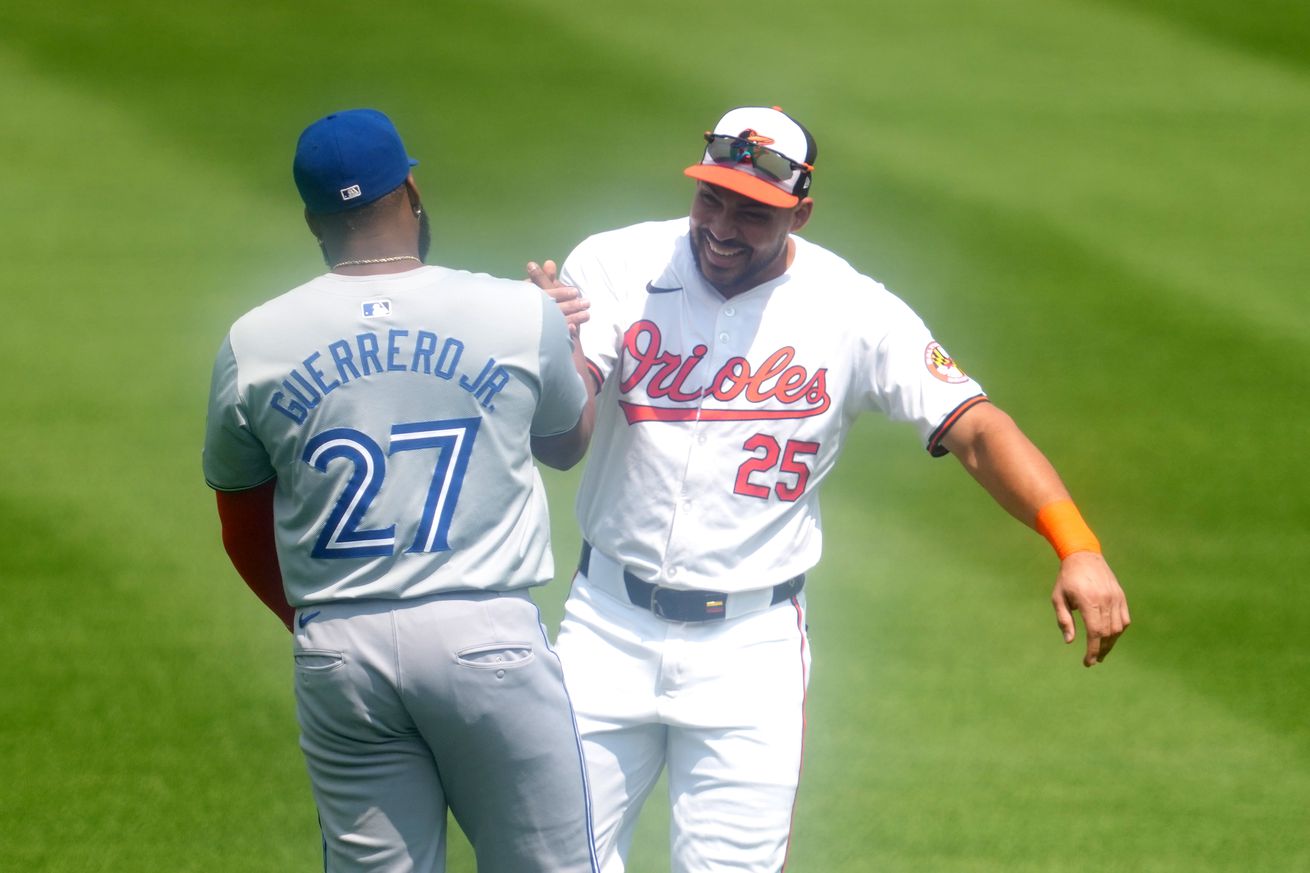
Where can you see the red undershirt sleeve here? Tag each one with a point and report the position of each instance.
(247, 521)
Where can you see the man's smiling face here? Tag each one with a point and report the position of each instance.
(741, 243)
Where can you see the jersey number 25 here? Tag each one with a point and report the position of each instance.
(783, 458)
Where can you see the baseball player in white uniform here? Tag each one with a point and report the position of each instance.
(731, 357)
(370, 436)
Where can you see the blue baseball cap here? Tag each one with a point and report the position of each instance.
(349, 159)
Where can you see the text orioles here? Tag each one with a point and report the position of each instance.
(777, 380)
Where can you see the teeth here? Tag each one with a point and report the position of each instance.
(723, 253)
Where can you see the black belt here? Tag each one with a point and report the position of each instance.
(675, 604)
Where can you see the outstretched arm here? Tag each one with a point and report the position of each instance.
(248, 537)
(1020, 478)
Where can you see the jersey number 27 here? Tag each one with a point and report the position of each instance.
(341, 536)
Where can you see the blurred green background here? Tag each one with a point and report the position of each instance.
(1099, 207)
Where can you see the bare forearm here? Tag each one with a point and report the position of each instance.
(1020, 478)
(1005, 462)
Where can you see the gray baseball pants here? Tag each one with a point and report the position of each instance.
(454, 701)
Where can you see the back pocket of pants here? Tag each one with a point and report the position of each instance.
(318, 661)
(496, 656)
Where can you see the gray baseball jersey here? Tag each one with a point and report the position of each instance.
(394, 412)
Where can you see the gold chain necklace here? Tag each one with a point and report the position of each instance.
(360, 261)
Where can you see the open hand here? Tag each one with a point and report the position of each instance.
(569, 299)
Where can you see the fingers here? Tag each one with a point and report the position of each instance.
(1096, 649)
(569, 299)
(571, 303)
(576, 316)
(1102, 650)
(1087, 585)
(1104, 622)
(1099, 646)
(1064, 618)
(544, 276)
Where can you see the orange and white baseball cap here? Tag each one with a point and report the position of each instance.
(760, 152)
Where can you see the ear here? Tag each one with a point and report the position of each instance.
(411, 190)
(312, 223)
(801, 216)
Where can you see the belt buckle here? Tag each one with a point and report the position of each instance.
(656, 607)
(711, 607)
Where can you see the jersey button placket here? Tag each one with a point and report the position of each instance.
(726, 311)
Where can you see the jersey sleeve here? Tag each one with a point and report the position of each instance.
(563, 395)
(602, 334)
(912, 378)
(233, 457)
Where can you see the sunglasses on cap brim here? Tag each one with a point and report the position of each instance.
(727, 149)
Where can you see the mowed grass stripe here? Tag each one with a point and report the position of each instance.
(1163, 152)
(147, 715)
(1272, 30)
(953, 730)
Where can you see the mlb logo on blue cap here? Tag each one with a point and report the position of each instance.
(349, 159)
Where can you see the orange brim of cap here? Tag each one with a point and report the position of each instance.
(743, 183)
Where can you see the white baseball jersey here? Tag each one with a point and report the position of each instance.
(719, 418)
(394, 412)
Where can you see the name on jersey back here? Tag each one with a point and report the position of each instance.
(370, 354)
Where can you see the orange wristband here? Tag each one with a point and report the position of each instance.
(1063, 526)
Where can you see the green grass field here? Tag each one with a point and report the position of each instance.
(1099, 205)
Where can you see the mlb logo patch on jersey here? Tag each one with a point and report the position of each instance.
(376, 308)
(942, 365)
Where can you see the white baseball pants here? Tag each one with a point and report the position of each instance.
(721, 704)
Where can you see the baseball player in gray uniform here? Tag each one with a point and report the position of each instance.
(731, 357)
(370, 437)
